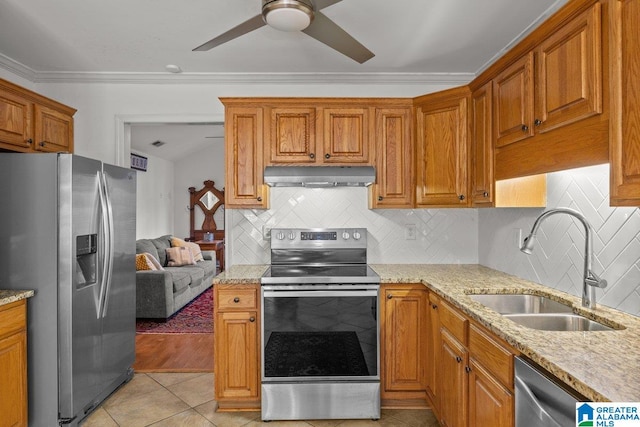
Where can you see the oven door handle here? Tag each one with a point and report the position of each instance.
(314, 293)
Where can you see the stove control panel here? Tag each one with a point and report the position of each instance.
(291, 238)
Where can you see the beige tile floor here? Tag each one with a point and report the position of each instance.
(186, 400)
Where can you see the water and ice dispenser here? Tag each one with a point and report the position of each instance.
(86, 254)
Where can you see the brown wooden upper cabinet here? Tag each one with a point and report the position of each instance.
(244, 158)
(558, 83)
(481, 168)
(625, 128)
(393, 159)
(442, 137)
(316, 134)
(30, 122)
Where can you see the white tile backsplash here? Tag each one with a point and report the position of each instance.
(557, 259)
(442, 235)
(485, 236)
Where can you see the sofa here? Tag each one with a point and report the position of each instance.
(162, 288)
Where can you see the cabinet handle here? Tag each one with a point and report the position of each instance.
(467, 369)
(259, 198)
(537, 122)
(461, 197)
(458, 359)
(525, 128)
(30, 141)
(389, 296)
(434, 306)
(380, 198)
(485, 194)
(312, 156)
(327, 156)
(236, 300)
(42, 144)
(252, 319)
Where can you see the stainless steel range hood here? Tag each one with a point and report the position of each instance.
(319, 176)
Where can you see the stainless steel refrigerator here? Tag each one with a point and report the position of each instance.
(67, 230)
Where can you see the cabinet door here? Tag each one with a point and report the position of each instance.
(345, 135)
(53, 130)
(442, 135)
(433, 353)
(482, 192)
(236, 355)
(244, 186)
(15, 121)
(569, 74)
(292, 135)
(490, 404)
(453, 381)
(403, 340)
(625, 131)
(394, 159)
(513, 102)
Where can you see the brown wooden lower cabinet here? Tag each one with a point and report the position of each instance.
(13, 364)
(490, 403)
(237, 347)
(403, 344)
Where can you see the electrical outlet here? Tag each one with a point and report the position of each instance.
(410, 232)
(517, 237)
(266, 232)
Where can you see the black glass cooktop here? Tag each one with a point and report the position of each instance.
(291, 274)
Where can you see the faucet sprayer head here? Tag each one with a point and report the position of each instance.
(527, 244)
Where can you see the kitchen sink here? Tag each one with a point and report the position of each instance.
(558, 322)
(521, 303)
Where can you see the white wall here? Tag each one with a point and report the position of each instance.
(192, 171)
(154, 198)
(557, 259)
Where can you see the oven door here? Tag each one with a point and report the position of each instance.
(320, 333)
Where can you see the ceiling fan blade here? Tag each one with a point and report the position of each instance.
(237, 31)
(328, 32)
(321, 4)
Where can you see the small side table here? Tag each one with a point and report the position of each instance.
(213, 245)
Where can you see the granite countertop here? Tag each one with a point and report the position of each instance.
(601, 365)
(7, 296)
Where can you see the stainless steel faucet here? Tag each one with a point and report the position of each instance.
(591, 280)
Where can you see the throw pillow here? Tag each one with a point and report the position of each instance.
(141, 263)
(153, 262)
(193, 247)
(179, 256)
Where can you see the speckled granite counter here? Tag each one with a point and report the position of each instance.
(600, 365)
(7, 297)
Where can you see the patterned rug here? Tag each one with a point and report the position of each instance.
(314, 354)
(194, 318)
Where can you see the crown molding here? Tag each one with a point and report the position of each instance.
(234, 78)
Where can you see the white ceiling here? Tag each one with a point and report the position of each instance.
(75, 39)
(180, 140)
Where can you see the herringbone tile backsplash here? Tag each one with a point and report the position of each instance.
(558, 256)
(485, 236)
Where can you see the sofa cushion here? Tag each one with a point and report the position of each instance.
(146, 245)
(193, 247)
(161, 244)
(180, 276)
(179, 256)
(209, 267)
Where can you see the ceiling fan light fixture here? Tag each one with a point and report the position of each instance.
(287, 15)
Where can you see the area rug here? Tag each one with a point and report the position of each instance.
(290, 354)
(194, 318)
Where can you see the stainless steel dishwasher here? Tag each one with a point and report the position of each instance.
(540, 400)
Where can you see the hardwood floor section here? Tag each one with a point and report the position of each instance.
(174, 353)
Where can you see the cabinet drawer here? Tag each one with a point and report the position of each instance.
(13, 318)
(492, 355)
(229, 299)
(454, 322)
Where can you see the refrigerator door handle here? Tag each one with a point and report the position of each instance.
(111, 239)
(107, 236)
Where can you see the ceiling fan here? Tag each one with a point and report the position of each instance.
(298, 15)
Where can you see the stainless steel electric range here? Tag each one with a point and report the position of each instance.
(320, 327)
